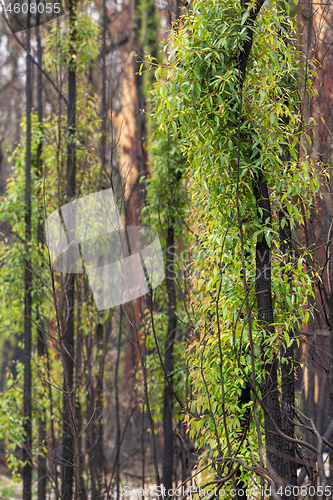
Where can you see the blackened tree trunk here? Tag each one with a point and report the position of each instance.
(245, 398)
(269, 387)
(100, 458)
(27, 457)
(79, 373)
(42, 475)
(168, 362)
(68, 335)
(90, 404)
(118, 438)
(275, 446)
(96, 447)
(40, 239)
(287, 369)
(104, 110)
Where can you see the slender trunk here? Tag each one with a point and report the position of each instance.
(168, 362)
(78, 383)
(309, 404)
(40, 121)
(104, 115)
(78, 413)
(100, 458)
(287, 369)
(288, 382)
(269, 386)
(16, 92)
(42, 475)
(99, 453)
(68, 353)
(118, 444)
(245, 398)
(95, 408)
(242, 60)
(68, 337)
(54, 468)
(90, 435)
(27, 457)
(143, 473)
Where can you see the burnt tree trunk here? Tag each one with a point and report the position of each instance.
(269, 386)
(42, 474)
(287, 372)
(104, 108)
(116, 383)
(95, 447)
(97, 455)
(27, 457)
(245, 398)
(287, 368)
(68, 335)
(275, 446)
(168, 363)
(263, 281)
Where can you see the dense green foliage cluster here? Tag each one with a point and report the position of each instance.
(200, 98)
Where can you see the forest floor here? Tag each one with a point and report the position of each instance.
(8, 489)
(13, 491)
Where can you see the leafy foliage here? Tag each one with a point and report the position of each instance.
(199, 99)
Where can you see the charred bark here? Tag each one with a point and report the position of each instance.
(245, 398)
(168, 362)
(288, 379)
(269, 386)
(104, 108)
(262, 248)
(287, 368)
(118, 438)
(99, 460)
(68, 336)
(41, 347)
(27, 456)
(95, 447)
